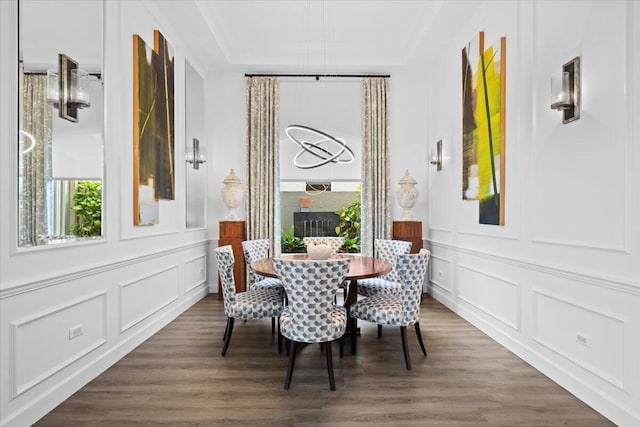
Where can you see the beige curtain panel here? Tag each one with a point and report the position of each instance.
(262, 147)
(376, 215)
(36, 163)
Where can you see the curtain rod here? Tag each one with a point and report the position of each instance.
(98, 75)
(317, 76)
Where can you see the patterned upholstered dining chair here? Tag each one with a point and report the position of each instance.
(252, 304)
(389, 283)
(254, 250)
(311, 315)
(334, 243)
(401, 309)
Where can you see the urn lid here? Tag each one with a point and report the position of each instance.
(231, 178)
(407, 179)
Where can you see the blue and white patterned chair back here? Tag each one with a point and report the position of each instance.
(412, 269)
(334, 243)
(311, 287)
(254, 250)
(225, 260)
(388, 250)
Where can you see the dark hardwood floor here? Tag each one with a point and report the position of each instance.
(178, 378)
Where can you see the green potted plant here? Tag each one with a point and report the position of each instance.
(349, 226)
(289, 243)
(87, 204)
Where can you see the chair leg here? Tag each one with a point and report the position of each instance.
(327, 350)
(292, 359)
(417, 326)
(273, 325)
(379, 331)
(341, 346)
(354, 332)
(230, 321)
(226, 331)
(405, 347)
(279, 337)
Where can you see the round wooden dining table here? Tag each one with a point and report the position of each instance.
(361, 267)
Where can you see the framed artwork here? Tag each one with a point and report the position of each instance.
(153, 128)
(483, 127)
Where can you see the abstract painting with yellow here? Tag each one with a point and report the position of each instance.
(483, 127)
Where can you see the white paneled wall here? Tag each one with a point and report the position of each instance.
(570, 172)
(69, 312)
(195, 272)
(143, 296)
(578, 329)
(589, 337)
(559, 284)
(63, 333)
(496, 296)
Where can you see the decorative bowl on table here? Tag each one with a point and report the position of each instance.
(319, 251)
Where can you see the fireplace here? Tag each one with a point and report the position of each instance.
(310, 224)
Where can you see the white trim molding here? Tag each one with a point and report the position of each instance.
(32, 285)
(605, 282)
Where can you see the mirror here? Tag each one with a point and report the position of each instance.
(194, 147)
(60, 121)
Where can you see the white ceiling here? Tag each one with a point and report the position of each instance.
(265, 35)
(62, 26)
(319, 35)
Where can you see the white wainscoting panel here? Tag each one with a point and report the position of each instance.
(440, 273)
(590, 338)
(195, 272)
(144, 296)
(496, 296)
(43, 343)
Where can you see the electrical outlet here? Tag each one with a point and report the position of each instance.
(75, 332)
(583, 340)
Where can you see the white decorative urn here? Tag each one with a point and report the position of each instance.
(319, 251)
(232, 195)
(407, 195)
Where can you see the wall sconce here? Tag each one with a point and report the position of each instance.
(53, 88)
(565, 91)
(436, 158)
(68, 88)
(195, 157)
